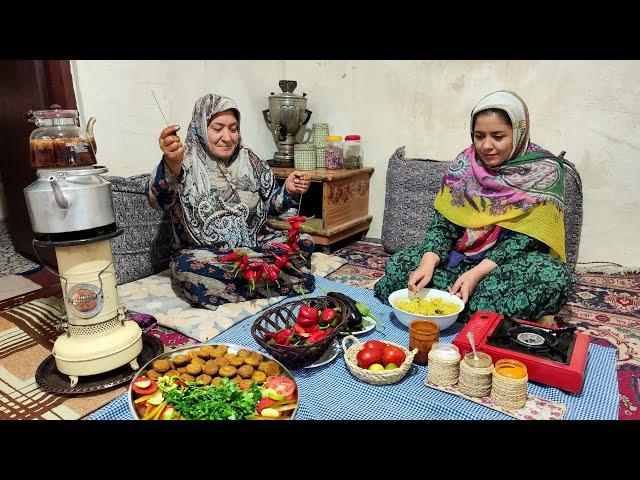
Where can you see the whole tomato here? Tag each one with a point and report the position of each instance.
(375, 344)
(391, 354)
(369, 356)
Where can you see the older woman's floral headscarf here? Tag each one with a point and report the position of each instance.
(213, 210)
(525, 194)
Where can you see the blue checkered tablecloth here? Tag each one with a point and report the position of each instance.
(330, 392)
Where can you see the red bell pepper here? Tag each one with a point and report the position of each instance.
(315, 337)
(328, 315)
(283, 337)
(308, 312)
(301, 332)
(312, 328)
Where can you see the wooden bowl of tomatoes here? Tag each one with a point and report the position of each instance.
(392, 360)
(298, 333)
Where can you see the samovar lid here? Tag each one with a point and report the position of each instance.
(287, 87)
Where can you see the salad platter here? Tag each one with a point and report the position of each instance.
(213, 382)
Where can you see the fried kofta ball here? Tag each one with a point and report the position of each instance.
(227, 371)
(185, 377)
(153, 375)
(269, 367)
(210, 368)
(216, 381)
(222, 361)
(161, 366)
(219, 350)
(194, 369)
(246, 371)
(198, 360)
(243, 352)
(209, 350)
(173, 373)
(237, 379)
(253, 359)
(259, 377)
(181, 361)
(204, 354)
(236, 361)
(182, 370)
(194, 353)
(204, 378)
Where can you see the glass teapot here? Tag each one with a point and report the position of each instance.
(59, 141)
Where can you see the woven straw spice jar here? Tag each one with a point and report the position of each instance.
(304, 156)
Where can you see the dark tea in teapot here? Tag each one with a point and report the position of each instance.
(61, 153)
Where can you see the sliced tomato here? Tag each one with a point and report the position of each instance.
(264, 403)
(290, 398)
(282, 385)
(152, 387)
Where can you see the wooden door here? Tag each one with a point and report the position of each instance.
(27, 85)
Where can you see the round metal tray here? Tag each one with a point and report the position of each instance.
(51, 380)
(232, 348)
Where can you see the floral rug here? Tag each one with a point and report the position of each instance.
(606, 307)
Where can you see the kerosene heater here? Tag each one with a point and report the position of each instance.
(70, 208)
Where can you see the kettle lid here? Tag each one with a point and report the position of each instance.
(55, 116)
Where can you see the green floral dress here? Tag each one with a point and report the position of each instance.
(527, 283)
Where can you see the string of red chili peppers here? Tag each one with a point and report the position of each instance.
(256, 270)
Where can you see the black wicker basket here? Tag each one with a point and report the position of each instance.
(282, 316)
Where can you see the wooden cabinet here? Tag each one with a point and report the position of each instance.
(337, 202)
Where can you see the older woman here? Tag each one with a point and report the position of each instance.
(497, 236)
(219, 194)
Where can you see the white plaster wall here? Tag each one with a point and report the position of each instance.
(591, 109)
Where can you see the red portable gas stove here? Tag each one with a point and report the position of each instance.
(553, 356)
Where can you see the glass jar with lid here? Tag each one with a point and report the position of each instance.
(352, 158)
(59, 141)
(333, 154)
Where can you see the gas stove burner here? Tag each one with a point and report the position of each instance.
(532, 337)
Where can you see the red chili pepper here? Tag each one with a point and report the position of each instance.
(230, 257)
(295, 248)
(251, 276)
(281, 246)
(297, 219)
(281, 261)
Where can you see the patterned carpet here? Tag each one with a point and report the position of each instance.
(606, 307)
(11, 262)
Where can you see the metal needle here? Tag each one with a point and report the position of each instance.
(159, 108)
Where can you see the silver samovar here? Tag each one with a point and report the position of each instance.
(287, 112)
